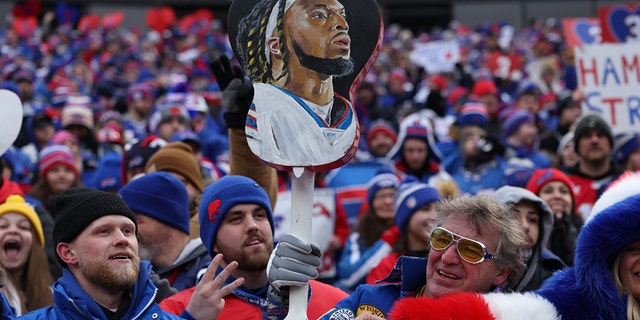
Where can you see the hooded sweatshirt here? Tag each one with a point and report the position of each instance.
(541, 262)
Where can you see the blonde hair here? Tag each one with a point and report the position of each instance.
(633, 305)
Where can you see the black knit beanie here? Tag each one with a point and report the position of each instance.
(76, 208)
(591, 122)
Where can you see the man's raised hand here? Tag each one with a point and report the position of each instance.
(208, 298)
(237, 91)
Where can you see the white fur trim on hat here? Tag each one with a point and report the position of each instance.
(521, 306)
(625, 186)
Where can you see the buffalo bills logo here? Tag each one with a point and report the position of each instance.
(213, 210)
(544, 177)
(620, 23)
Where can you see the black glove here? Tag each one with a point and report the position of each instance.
(237, 91)
(490, 146)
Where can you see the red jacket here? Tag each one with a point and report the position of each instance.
(383, 268)
(323, 298)
(8, 188)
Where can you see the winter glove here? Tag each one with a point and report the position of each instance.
(491, 146)
(391, 235)
(237, 91)
(292, 263)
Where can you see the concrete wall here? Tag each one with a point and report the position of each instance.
(520, 13)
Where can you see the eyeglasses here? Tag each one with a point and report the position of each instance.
(469, 250)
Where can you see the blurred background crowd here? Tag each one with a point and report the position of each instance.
(101, 99)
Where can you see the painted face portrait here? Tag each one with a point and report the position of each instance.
(306, 58)
(321, 40)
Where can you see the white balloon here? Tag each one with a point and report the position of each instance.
(10, 118)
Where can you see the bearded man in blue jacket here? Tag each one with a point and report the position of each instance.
(102, 276)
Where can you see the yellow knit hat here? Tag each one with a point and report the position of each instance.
(16, 204)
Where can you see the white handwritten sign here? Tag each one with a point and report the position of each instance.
(436, 56)
(609, 75)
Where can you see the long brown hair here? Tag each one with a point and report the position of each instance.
(36, 279)
(403, 244)
(42, 190)
(370, 227)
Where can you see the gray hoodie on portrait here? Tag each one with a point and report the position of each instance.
(541, 262)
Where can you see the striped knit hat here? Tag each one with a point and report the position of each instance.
(54, 155)
(473, 113)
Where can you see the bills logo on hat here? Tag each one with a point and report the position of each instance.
(214, 210)
(134, 162)
(411, 202)
(544, 177)
(617, 22)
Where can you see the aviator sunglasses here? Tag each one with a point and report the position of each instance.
(469, 250)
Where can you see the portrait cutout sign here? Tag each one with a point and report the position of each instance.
(306, 58)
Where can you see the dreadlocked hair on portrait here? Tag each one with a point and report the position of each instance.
(252, 38)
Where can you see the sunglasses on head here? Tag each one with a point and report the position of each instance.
(471, 251)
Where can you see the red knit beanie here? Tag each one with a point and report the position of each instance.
(541, 177)
(381, 126)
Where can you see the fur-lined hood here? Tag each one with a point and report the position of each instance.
(587, 290)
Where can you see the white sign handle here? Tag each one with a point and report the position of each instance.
(301, 214)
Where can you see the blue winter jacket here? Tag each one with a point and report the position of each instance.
(485, 178)
(406, 278)
(72, 302)
(357, 261)
(8, 312)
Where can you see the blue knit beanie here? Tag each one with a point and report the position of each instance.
(412, 196)
(625, 145)
(381, 181)
(518, 171)
(161, 196)
(514, 119)
(219, 197)
(108, 175)
(473, 114)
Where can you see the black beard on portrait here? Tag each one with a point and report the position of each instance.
(335, 67)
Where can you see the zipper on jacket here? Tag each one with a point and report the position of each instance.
(78, 308)
(153, 297)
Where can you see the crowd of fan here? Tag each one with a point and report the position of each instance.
(102, 106)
